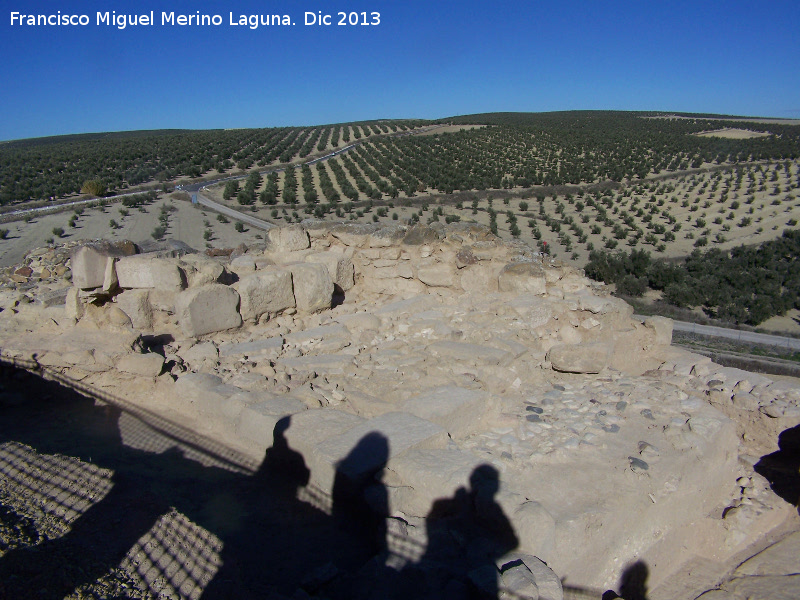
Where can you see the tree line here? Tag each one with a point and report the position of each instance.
(747, 284)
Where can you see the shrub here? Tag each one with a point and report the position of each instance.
(58, 231)
(239, 226)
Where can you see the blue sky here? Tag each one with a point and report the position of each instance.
(424, 60)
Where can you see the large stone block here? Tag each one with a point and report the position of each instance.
(400, 431)
(313, 286)
(523, 277)
(256, 422)
(340, 267)
(201, 270)
(438, 275)
(417, 478)
(207, 309)
(475, 354)
(136, 304)
(456, 409)
(479, 278)
(288, 239)
(146, 365)
(662, 328)
(265, 292)
(89, 263)
(266, 348)
(334, 364)
(585, 358)
(353, 234)
(147, 272)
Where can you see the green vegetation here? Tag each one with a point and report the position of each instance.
(102, 163)
(745, 285)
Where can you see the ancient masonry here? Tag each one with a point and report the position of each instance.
(460, 349)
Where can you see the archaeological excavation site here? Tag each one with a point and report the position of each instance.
(367, 411)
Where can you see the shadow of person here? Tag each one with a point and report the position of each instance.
(248, 534)
(266, 506)
(282, 464)
(467, 534)
(782, 468)
(632, 584)
(360, 500)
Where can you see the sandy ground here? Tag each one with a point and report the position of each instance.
(733, 134)
(187, 224)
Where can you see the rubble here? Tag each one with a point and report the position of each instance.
(458, 351)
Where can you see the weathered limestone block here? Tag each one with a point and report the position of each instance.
(202, 393)
(524, 575)
(318, 334)
(313, 286)
(256, 422)
(107, 316)
(288, 239)
(146, 365)
(534, 525)
(456, 409)
(360, 322)
(523, 277)
(52, 298)
(400, 431)
(335, 364)
(662, 329)
(136, 304)
(207, 309)
(465, 257)
(479, 278)
(572, 283)
(402, 309)
(243, 265)
(110, 280)
(421, 234)
(353, 234)
(147, 272)
(340, 267)
(199, 353)
(201, 270)
(314, 426)
(586, 358)
(417, 478)
(386, 236)
(266, 348)
(475, 354)
(536, 311)
(268, 291)
(438, 275)
(89, 262)
(73, 307)
(600, 305)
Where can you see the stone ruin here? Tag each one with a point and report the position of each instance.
(458, 348)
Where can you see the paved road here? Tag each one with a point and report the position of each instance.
(750, 337)
(235, 214)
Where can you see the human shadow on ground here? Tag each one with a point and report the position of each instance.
(782, 468)
(632, 584)
(259, 538)
(467, 535)
(211, 531)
